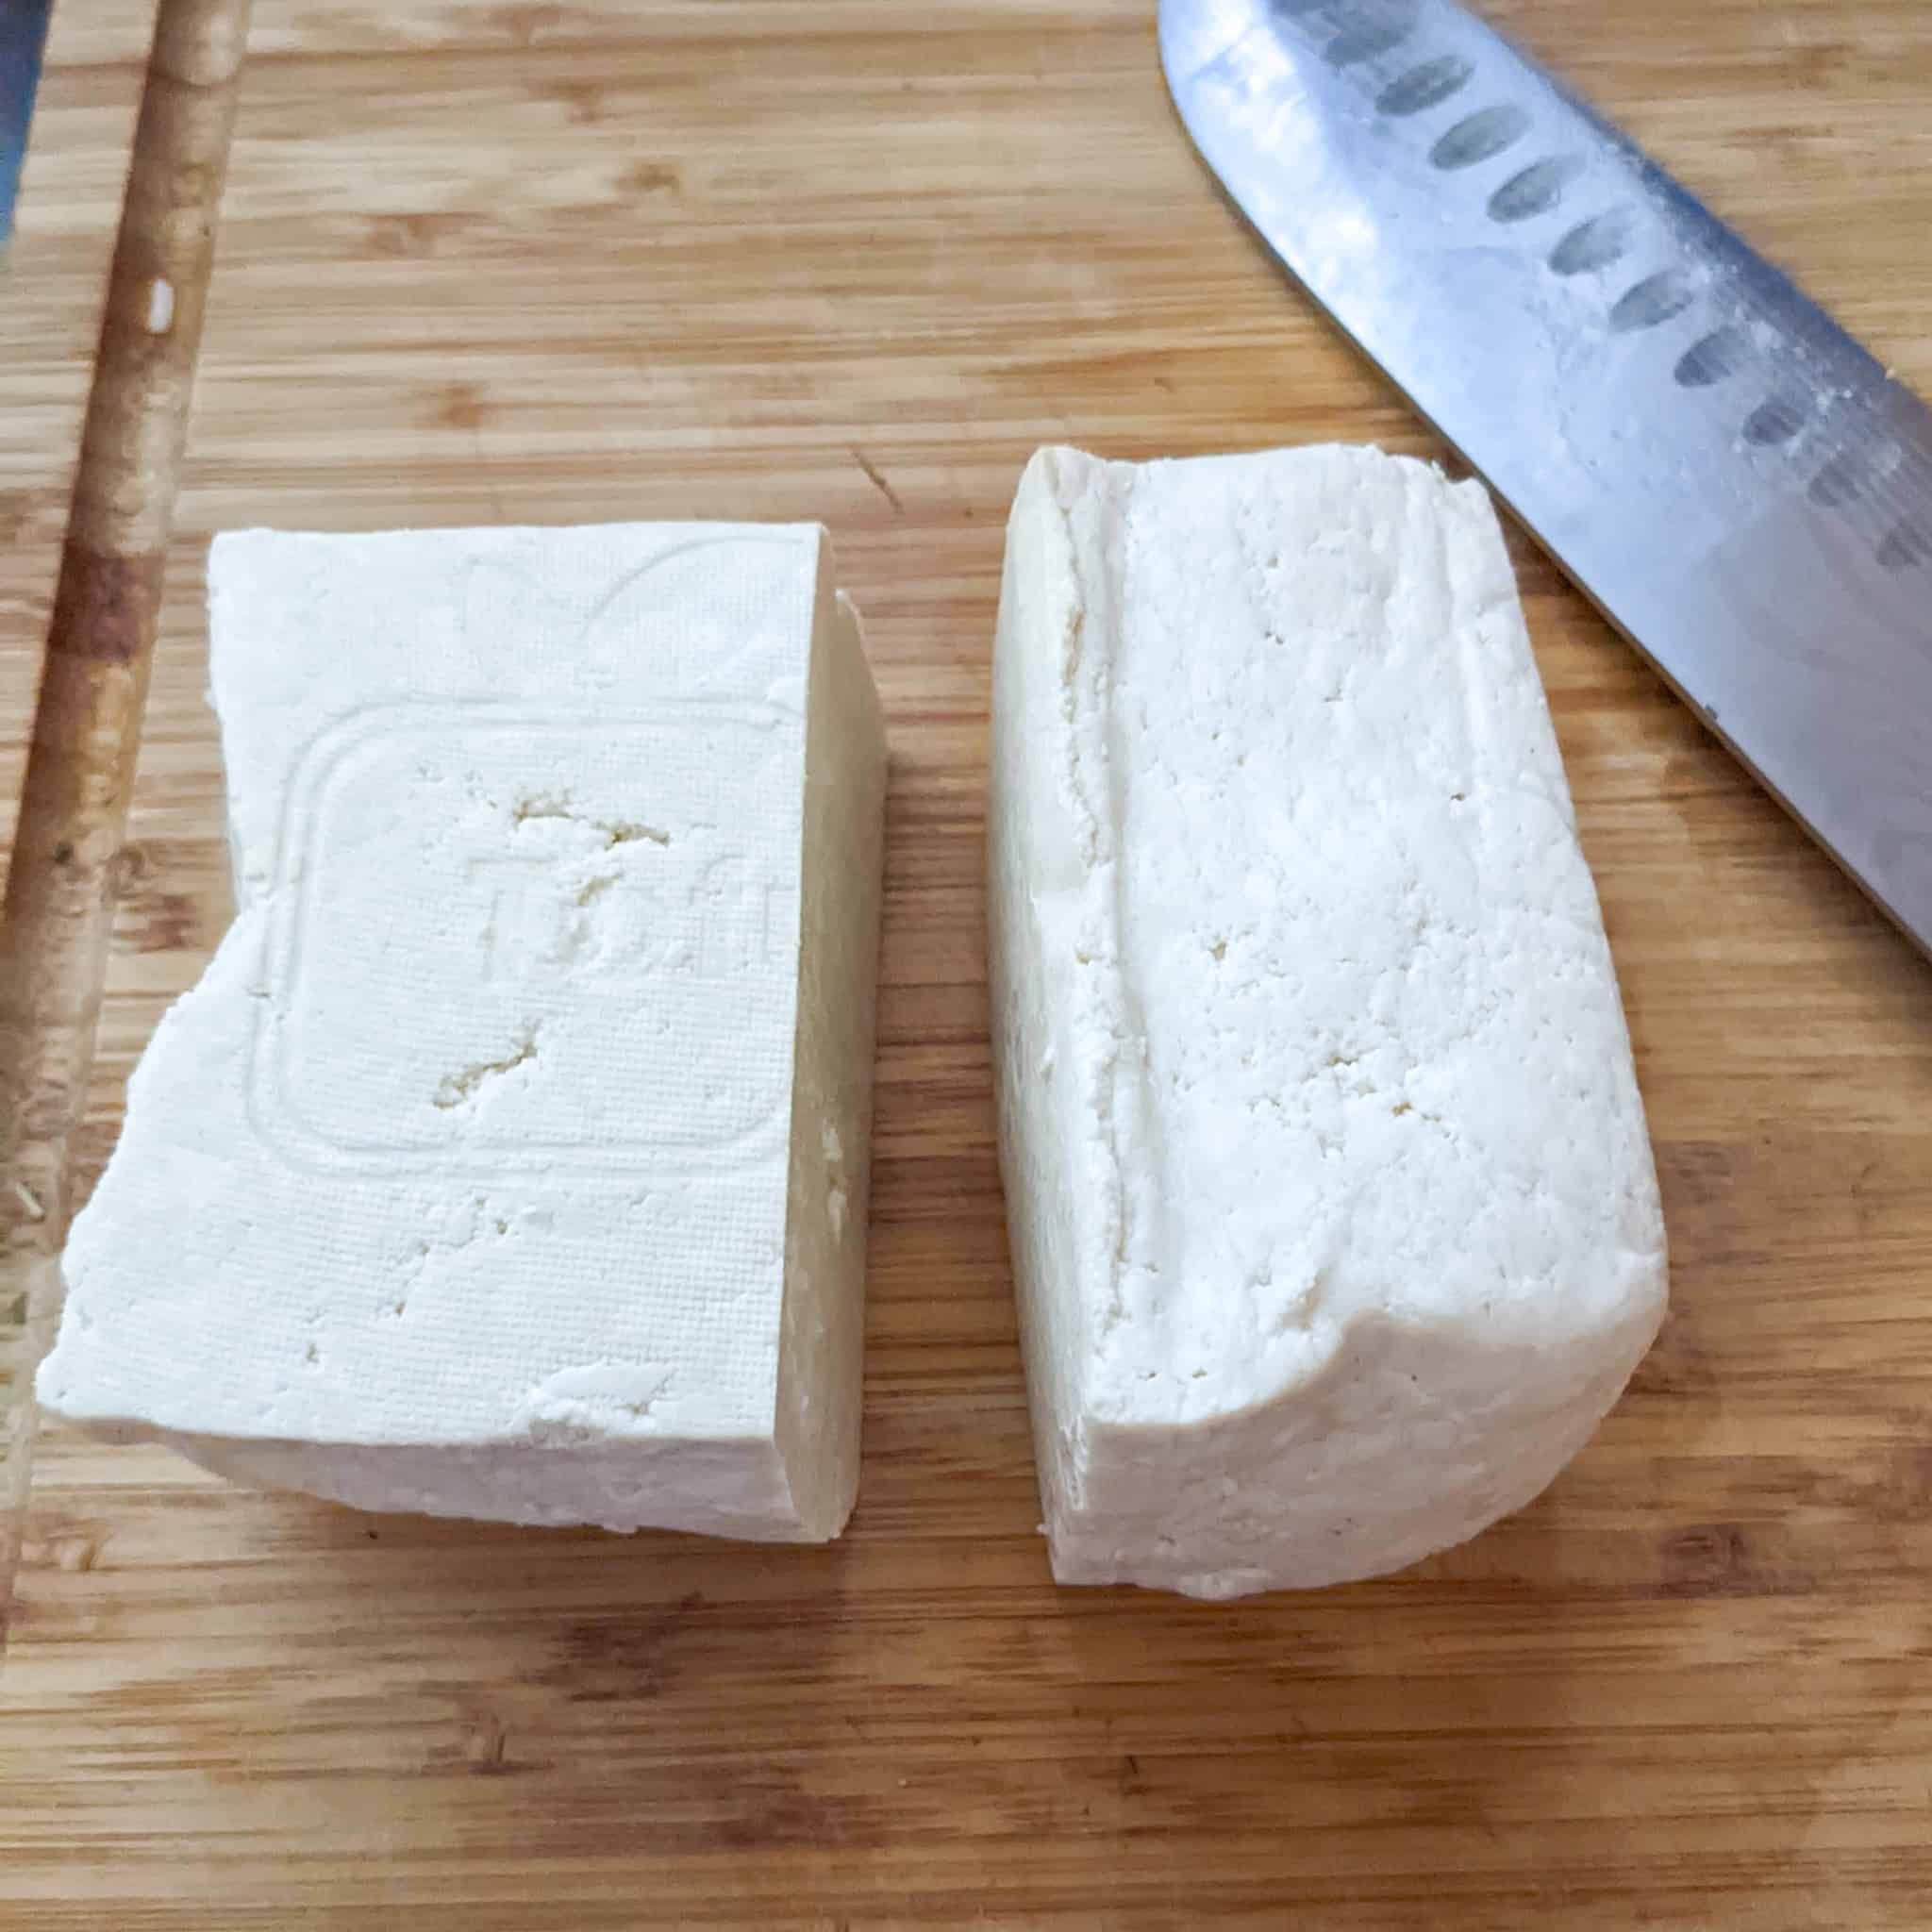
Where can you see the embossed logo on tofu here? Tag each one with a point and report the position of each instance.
(540, 920)
(583, 927)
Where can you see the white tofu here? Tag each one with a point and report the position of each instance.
(510, 1159)
(1333, 1211)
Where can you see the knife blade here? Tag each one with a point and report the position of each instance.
(1734, 481)
(23, 41)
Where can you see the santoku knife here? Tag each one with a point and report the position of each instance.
(1735, 482)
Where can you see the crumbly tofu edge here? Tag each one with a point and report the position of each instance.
(1040, 866)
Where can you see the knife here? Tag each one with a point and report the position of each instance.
(23, 39)
(1731, 478)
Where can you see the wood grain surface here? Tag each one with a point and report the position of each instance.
(852, 260)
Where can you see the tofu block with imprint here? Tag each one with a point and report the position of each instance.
(511, 1158)
(1334, 1214)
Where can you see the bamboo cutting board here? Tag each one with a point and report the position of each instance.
(852, 260)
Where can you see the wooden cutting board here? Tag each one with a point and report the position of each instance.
(852, 260)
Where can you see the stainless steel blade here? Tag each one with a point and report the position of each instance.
(1734, 480)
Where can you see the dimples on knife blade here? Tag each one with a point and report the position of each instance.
(1733, 479)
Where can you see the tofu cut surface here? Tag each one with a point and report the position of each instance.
(1334, 1216)
(510, 1159)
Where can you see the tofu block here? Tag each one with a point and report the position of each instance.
(511, 1158)
(1334, 1215)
